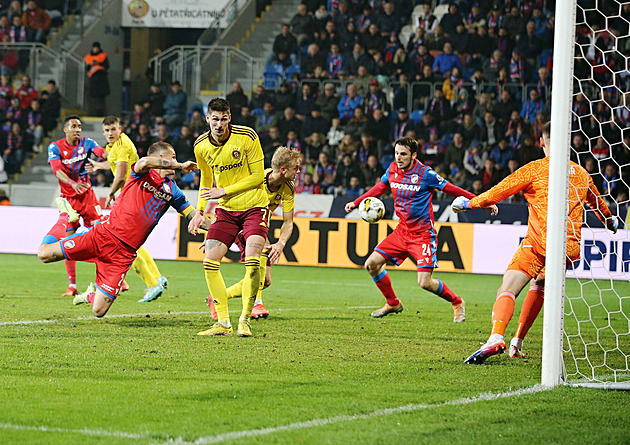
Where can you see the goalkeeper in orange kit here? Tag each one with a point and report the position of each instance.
(528, 263)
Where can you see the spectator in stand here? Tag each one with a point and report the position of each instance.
(293, 142)
(142, 140)
(375, 98)
(138, 114)
(315, 144)
(400, 62)
(312, 59)
(304, 103)
(491, 131)
(324, 174)
(6, 92)
(373, 171)
(97, 66)
(544, 84)
(198, 124)
(270, 141)
(601, 150)
(285, 43)
(237, 99)
(366, 19)
(314, 123)
(440, 109)
(516, 130)
(517, 68)
(154, 101)
(514, 22)
(401, 125)
(15, 147)
(528, 151)
(483, 106)
(475, 19)
(432, 151)
(372, 40)
(175, 106)
(379, 128)
(13, 113)
(303, 26)
(37, 22)
(426, 20)
(362, 81)
(418, 59)
(503, 109)
(336, 62)
(401, 92)
(348, 103)
(475, 159)
(326, 37)
(454, 153)
(610, 181)
(55, 10)
(288, 122)
(492, 65)
(259, 98)
(5, 26)
(34, 127)
(267, 119)
(505, 42)
(460, 39)
(491, 175)
(346, 169)
(340, 17)
(357, 124)
(183, 145)
(244, 117)
(163, 134)
(501, 153)
(284, 97)
(482, 43)
(424, 128)
(51, 106)
(328, 102)
(450, 20)
(529, 45)
(348, 146)
(308, 186)
(388, 20)
(469, 128)
(444, 62)
(10, 62)
(26, 92)
(354, 189)
(335, 134)
(357, 58)
(532, 106)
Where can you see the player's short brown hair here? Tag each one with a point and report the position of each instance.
(546, 130)
(284, 157)
(408, 142)
(111, 120)
(218, 104)
(159, 147)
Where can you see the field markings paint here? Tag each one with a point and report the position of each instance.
(158, 314)
(234, 435)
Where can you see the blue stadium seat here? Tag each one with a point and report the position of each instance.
(416, 115)
(447, 139)
(258, 111)
(272, 80)
(292, 69)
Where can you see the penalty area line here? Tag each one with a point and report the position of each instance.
(234, 435)
(80, 431)
(158, 314)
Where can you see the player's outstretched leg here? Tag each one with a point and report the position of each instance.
(439, 288)
(147, 270)
(251, 283)
(100, 301)
(531, 308)
(67, 215)
(494, 346)
(216, 287)
(374, 266)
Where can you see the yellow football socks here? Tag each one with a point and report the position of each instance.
(251, 283)
(146, 268)
(216, 287)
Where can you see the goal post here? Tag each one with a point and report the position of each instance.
(586, 327)
(561, 98)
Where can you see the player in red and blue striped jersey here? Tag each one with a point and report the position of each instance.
(68, 158)
(412, 184)
(112, 244)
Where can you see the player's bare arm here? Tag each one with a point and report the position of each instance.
(78, 187)
(93, 166)
(211, 192)
(197, 220)
(118, 182)
(285, 233)
(149, 162)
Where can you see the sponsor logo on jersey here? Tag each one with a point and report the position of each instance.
(74, 159)
(158, 193)
(414, 178)
(68, 244)
(398, 185)
(236, 154)
(224, 168)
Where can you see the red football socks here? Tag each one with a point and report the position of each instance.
(384, 284)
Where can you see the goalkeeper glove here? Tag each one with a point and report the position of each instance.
(612, 224)
(460, 204)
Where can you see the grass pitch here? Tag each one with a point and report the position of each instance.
(319, 370)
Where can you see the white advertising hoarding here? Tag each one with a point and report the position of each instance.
(166, 14)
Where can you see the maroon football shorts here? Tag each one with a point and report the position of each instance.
(111, 256)
(228, 224)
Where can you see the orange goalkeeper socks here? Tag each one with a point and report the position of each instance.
(531, 308)
(502, 312)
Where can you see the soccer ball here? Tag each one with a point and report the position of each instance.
(371, 209)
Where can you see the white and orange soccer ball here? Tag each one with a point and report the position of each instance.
(371, 209)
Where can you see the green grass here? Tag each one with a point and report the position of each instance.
(141, 375)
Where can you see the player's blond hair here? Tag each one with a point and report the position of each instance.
(284, 157)
(159, 147)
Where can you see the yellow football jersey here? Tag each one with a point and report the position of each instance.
(236, 166)
(285, 195)
(122, 150)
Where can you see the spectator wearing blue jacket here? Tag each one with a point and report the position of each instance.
(445, 61)
(502, 153)
(348, 103)
(175, 106)
(532, 106)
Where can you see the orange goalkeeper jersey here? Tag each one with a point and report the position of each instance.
(533, 180)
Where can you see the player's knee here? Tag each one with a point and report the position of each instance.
(99, 312)
(425, 283)
(370, 266)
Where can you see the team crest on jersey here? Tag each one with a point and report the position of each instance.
(278, 196)
(68, 244)
(236, 154)
(167, 189)
(414, 178)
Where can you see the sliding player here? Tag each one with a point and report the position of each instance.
(528, 263)
(112, 244)
(231, 162)
(412, 184)
(68, 158)
(279, 186)
(121, 154)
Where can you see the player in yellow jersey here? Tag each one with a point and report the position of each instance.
(121, 154)
(280, 189)
(231, 162)
(528, 263)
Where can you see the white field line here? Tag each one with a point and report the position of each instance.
(162, 314)
(282, 428)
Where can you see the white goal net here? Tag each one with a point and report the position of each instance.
(596, 336)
